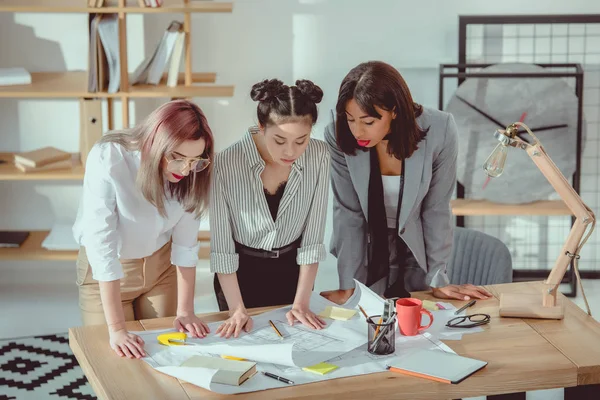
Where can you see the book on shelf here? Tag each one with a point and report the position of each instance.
(167, 56)
(95, 3)
(64, 164)
(152, 3)
(14, 76)
(104, 58)
(13, 239)
(41, 157)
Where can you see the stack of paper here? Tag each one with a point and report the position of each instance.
(339, 350)
(14, 76)
(61, 238)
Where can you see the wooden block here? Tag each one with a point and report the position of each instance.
(520, 305)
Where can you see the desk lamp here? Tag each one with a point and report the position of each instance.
(543, 305)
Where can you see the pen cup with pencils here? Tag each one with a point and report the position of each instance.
(382, 335)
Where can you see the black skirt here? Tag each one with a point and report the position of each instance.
(264, 281)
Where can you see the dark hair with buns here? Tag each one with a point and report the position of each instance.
(278, 102)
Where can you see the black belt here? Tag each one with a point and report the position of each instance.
(260, 253)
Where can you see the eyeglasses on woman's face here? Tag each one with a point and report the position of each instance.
(177, 164)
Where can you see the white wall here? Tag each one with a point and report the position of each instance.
(314, 39)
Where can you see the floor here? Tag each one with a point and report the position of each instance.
(44, 302)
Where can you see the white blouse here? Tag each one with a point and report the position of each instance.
(391, 192)
(239, 211)
(115, 221)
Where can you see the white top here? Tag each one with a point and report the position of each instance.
(115, 221)
(391, 191)
(240, 213)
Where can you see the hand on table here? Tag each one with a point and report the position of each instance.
(461, 292)
(305, 316)
(339, 296)
(238, 320)
(127, 344)
(191, 324)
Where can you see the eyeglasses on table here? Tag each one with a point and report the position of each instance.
(468, 321)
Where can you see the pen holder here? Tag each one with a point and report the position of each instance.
(382, 336)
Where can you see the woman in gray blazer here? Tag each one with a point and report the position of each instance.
(393, 172)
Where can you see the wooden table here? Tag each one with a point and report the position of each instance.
(522, 355)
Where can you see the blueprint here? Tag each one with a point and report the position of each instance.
(342, 343)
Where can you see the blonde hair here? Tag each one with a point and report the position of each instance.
(160, 133)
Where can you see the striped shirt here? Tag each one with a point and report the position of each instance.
(239, 211)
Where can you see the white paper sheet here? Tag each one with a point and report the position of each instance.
(356, 362)
(342, 343)
(441, 331)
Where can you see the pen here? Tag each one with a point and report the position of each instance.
(362, 310)
(276, 330)
(279, 378)
(469, 304)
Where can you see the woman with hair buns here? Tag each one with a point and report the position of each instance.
(268, 209)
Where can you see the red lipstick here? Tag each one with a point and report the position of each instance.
(177, 176)
(363, 143)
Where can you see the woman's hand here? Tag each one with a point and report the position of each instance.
(238, 320)
(461, 292)
(339, 296)
(127, 344)
(304, 315)
(191, 324)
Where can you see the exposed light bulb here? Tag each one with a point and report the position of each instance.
(494, 165)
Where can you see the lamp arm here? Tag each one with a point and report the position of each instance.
(584, 216)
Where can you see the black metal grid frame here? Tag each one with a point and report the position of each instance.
(464, 22)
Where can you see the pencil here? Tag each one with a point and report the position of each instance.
(276, 330)
(416, 374)
(362, 310)
(378, 326)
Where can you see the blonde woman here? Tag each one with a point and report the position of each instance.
(144, 191)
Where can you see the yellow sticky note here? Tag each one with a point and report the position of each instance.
(321, 368)
(430, 305)
(341, 314)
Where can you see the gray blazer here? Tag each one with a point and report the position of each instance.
(425, 217)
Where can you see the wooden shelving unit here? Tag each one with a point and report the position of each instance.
(468, 207)
(73, 84)
(32, 249)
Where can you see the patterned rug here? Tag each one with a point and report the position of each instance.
(40, 368)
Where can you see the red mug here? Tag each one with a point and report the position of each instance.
(409, 312)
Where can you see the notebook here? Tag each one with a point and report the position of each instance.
(437, 365)
(230, 372)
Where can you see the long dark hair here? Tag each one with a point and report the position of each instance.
(278, 102)
(376, 83)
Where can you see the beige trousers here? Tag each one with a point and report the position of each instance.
(148, 289)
